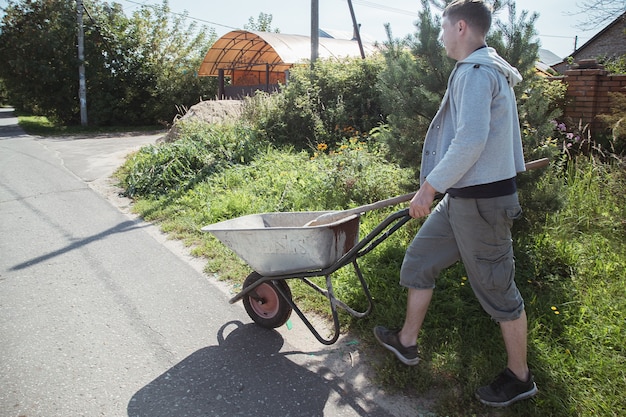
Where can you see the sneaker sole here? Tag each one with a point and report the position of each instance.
(524, 395)
(400, 356)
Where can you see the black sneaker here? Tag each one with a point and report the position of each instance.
(506, 389)
(389, 339)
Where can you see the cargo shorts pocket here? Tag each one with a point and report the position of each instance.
(514, 213)
(495, 273)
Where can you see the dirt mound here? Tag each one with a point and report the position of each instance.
(212, 111)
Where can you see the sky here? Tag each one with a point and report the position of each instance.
(556, 25)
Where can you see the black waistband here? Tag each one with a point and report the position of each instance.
(490, 190)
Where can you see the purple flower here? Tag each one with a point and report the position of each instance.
(570, 136)
(562, 127)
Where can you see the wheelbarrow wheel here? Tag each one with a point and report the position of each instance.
(265, 306)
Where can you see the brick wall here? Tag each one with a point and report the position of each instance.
(588, 93)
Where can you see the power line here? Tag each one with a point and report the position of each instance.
(185, 15)
(364, 3)
(559, 36)
(385, 8)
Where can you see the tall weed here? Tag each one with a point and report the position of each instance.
(576, 305)
(202, 150)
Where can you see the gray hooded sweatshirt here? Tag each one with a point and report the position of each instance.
(475, 136)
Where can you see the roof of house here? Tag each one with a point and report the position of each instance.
(246, 50)
(621, 19)
(548, 57)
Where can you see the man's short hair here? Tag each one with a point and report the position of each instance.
(476, 14)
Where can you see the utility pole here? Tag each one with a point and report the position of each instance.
(82, 88)
(357, 32)
(315, 30)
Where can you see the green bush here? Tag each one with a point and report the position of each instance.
(616, 122)
(318, 104)
(280, 180)
(3, 94)
(615, 65)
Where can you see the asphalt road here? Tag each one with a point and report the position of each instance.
(101, 315)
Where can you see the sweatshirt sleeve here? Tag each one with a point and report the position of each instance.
(471, 97)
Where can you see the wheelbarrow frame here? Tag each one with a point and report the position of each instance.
(380, 233)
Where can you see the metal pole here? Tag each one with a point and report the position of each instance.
(220, 84)
(315, 30)
(82, 89)
(356, 29)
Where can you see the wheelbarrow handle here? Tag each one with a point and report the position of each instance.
(537, 163)
(331, 217)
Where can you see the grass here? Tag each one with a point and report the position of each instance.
(571, 264)
(42, 126)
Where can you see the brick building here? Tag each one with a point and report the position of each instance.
(610, 42)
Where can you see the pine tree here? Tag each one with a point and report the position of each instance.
(417, 71)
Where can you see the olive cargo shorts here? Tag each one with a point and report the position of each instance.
(478, 232)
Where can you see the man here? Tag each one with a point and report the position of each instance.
(472, 153)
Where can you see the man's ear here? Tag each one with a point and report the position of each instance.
(461, 25)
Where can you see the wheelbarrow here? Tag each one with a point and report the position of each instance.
(279, 247)
(305, 245)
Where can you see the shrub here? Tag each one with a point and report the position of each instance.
(616, 120)
(318, 104)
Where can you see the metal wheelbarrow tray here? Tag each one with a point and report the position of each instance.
(278, 247)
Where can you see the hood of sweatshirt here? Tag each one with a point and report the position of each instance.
(488, 56)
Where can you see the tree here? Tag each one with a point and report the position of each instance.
(41, 65)
(412, 85)
(597, 13)
(263, 24)
(139, 68)
(152, 60)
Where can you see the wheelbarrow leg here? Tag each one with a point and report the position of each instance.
(307, 322)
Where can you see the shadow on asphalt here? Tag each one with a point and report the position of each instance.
(9, 128)
(11, 132)
(246, 374)
(120, 228)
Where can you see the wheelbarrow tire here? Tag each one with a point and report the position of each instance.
(265, 305)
